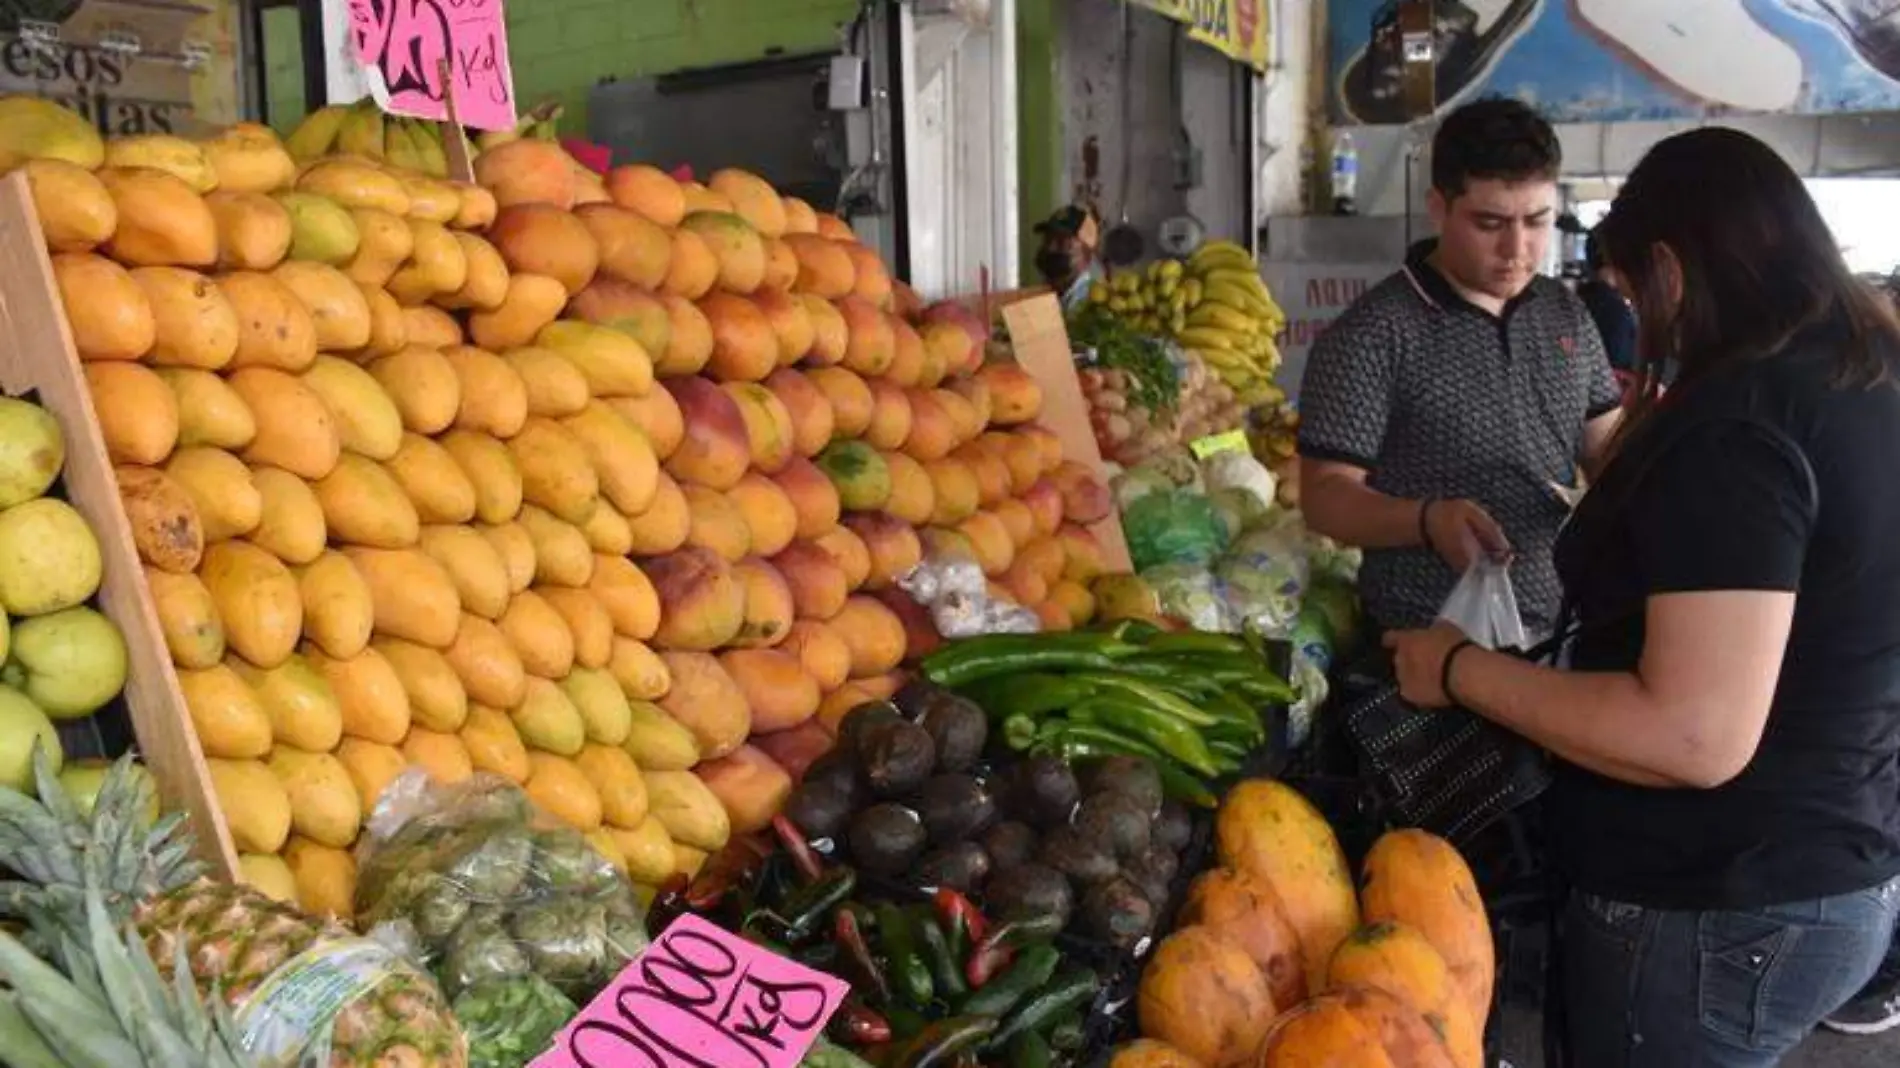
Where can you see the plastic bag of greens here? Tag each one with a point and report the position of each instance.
(488, 889)
(1192, 595)
(1173, 527)
(509, 1022)
(1231, 469)
(1265, 572)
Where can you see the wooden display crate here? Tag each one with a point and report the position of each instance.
(39, 358)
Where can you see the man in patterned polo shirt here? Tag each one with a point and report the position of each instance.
(1445, 415)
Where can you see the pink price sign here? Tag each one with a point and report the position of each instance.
(701, 997)
(406, 42)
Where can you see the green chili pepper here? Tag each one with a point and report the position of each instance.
(905, 967)
(1028, 1050)
(1079, 741)
(1066, 992)
(1152, 725)
(1173, 704)
(975, 659)
(946, 972)
(1068, 1034)
(1033, 967)
(806, 907)
(1195, 641)
(1136, 631)
(1033, 695)
(940, 1043)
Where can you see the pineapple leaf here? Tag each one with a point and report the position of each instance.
(49, 990)
(116, 972)
(200, 1026)
(51, 792)
(25, 1048)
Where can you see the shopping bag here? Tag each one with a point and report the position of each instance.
(1447, 771)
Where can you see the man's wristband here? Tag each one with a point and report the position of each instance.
(1451, 662)
(1425, 522)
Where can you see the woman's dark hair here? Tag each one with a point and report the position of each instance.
(1758, 263)
(1493, 138)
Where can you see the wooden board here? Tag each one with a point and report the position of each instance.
(1041, 341)
(39, 356)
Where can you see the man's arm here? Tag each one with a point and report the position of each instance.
(1337, 503)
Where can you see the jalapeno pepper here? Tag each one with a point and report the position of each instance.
(1031, 695)
(806, 907)
(1028, 1050)
(1033, 967)
(857, 1024)
(963, 924)
(941, 1043)
(851, 924)
(904, 962)
(946, 971)
(1073, 988)
(810, 868)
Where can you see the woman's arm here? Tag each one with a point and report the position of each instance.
(1690, 715)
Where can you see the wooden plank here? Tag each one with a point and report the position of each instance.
(1041, 341)
(454, 138)
(39, 356)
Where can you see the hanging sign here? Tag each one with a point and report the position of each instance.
(1235, 28)
(395, 51)
(701, 997)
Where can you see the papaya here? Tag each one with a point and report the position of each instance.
(1245, 910)
(1267, 829)
(1323, 1031)
(1397, 960)
(1420, 880)
(1203, 995)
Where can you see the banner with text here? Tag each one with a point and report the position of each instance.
(1237, 29)
(1313, 295)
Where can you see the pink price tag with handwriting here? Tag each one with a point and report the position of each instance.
(407, 40)
(701, 997)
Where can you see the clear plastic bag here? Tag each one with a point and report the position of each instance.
(484, 888)
(1484, 606)
(1192, 595)
(953, 589)
(1174, 527)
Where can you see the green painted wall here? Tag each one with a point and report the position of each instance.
(562, 48)
(1039, 138)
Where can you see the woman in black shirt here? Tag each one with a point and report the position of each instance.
(1727, 801)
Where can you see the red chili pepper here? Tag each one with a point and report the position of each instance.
(987, 961)
(848, 924)
(955, 909)
(740, 862)
(857, 1025)
(998, 947)
(789, 836)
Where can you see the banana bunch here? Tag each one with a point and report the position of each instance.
(1232, 324)
(1155, 300)
(361, 129)
(541, 123)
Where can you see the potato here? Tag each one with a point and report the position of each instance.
(691, 813)
(706, 701)
(750, 785)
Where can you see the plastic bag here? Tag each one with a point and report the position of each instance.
(1232, 469)
(1484, 606)
(953, 589)
(1173, 527)
(484, 888)
(1265, 573)
(1192, 595)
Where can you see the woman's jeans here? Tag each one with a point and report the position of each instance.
(1647, 988)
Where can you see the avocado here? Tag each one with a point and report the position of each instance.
(886, 838)
(1172, 829)
(868, 714)
(820, 809)
(954, 807)
(959, 728)
(1009, 844)
(1027, 891)
(837, 771)
(1077, 856)
(1042, 791)
(1154, 872)
(1116, 911)
(1115, 822)
(963, 866)
(1132, 776)
(895, 757)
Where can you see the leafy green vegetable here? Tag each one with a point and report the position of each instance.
(510, 1022)
(1154, 380)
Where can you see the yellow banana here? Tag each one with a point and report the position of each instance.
(1215, 255)
(1236, 296)
(428, 139)
(318, 131)
(1222, 317)
(1201, 337)
(1246, 280)
(362, 132)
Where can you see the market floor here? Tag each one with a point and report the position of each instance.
(1836, 1051)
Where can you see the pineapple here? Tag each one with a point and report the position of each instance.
(232, 937)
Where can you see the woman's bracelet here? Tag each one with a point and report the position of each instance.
(1451, 661)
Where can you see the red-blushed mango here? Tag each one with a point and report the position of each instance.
(800, 218)
(824, 267)
(768, 425)
(1020, 454)
(796, 748)
(873, 344)
(781, 266)
(769, 609)
(1048, 443)
(849, 551)
(921, 637)
(1044, 502)
(813, 497)
(649, 191)
(831, 337)
(873, 282)
(851, 399)
(992, 474)
(753, 198)
(705, 700)
(632, 248)
(689, 339)
(693, 269)
(933, 430)
(769, 513)
(873, 633)
(1085, 497)
(546, 240)
(702, 606)
(835, 228)
(1017, 520)
(990, 542)
(892, 544)
(913, 498)
(716, 523)
(950, 345)
(890, 416)
(907, 355)
(976, 391)
(749, 785)
(658, 416)
(817, 582)
(1015, 396)
(956, 495)
(1085, 560)
(745, 347)
(527, 171)
(625, 307)
(791, 322)
(717, 447)
(735, 244)
(962, 415)
(825, 656)
(809, 408)
(781, 693)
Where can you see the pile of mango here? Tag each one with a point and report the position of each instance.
(599, 483)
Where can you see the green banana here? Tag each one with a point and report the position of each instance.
(317, 133)
(428, 140)
(362, 132)
(398, 149)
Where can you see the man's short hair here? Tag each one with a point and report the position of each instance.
(1495, 138)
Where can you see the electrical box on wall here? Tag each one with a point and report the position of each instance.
(846, 85)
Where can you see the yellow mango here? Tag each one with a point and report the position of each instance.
(422, 384)
(188, 617)
(372, 767)
(303, 713)
(548, 721)
(226, 714)
(257, 600)
(625, 466)
(326, 878)
(494, 745)
(434, 482)
(414, 597)
(339, 612)
(254, 804)
(369, 695)
(292, 526)
(556, 473)
(559, 789)
(648, 850)
(436, 698)
(367, 421)
(323, 802)
(485, 661)
(616, 778)
(490, 467)
(480, 576)
(442, 755)
(363, 504)
(602, 704)
(516, 548)
(562, 556)
(221, 489)
(209, 411)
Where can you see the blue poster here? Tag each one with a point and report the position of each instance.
(1619, 60)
